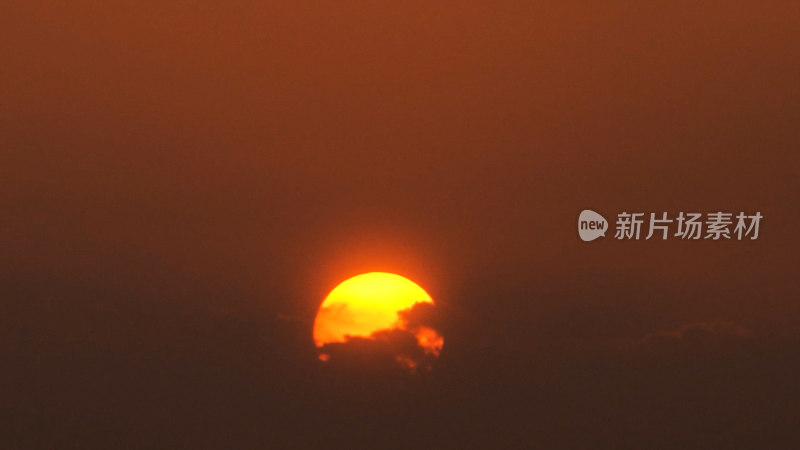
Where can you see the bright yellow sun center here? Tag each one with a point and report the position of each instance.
(365, 304)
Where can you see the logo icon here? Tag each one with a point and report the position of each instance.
(591, 225)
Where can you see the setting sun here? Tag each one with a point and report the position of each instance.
(369, 303)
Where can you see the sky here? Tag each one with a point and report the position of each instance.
(182, 183)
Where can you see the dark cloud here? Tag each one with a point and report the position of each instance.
(424, 314)
(701, 333)
(386, 350)
(697, 338)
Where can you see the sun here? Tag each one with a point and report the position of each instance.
(367, 305)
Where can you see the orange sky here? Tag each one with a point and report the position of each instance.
(246, 140)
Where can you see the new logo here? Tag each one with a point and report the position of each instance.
(591, 225)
